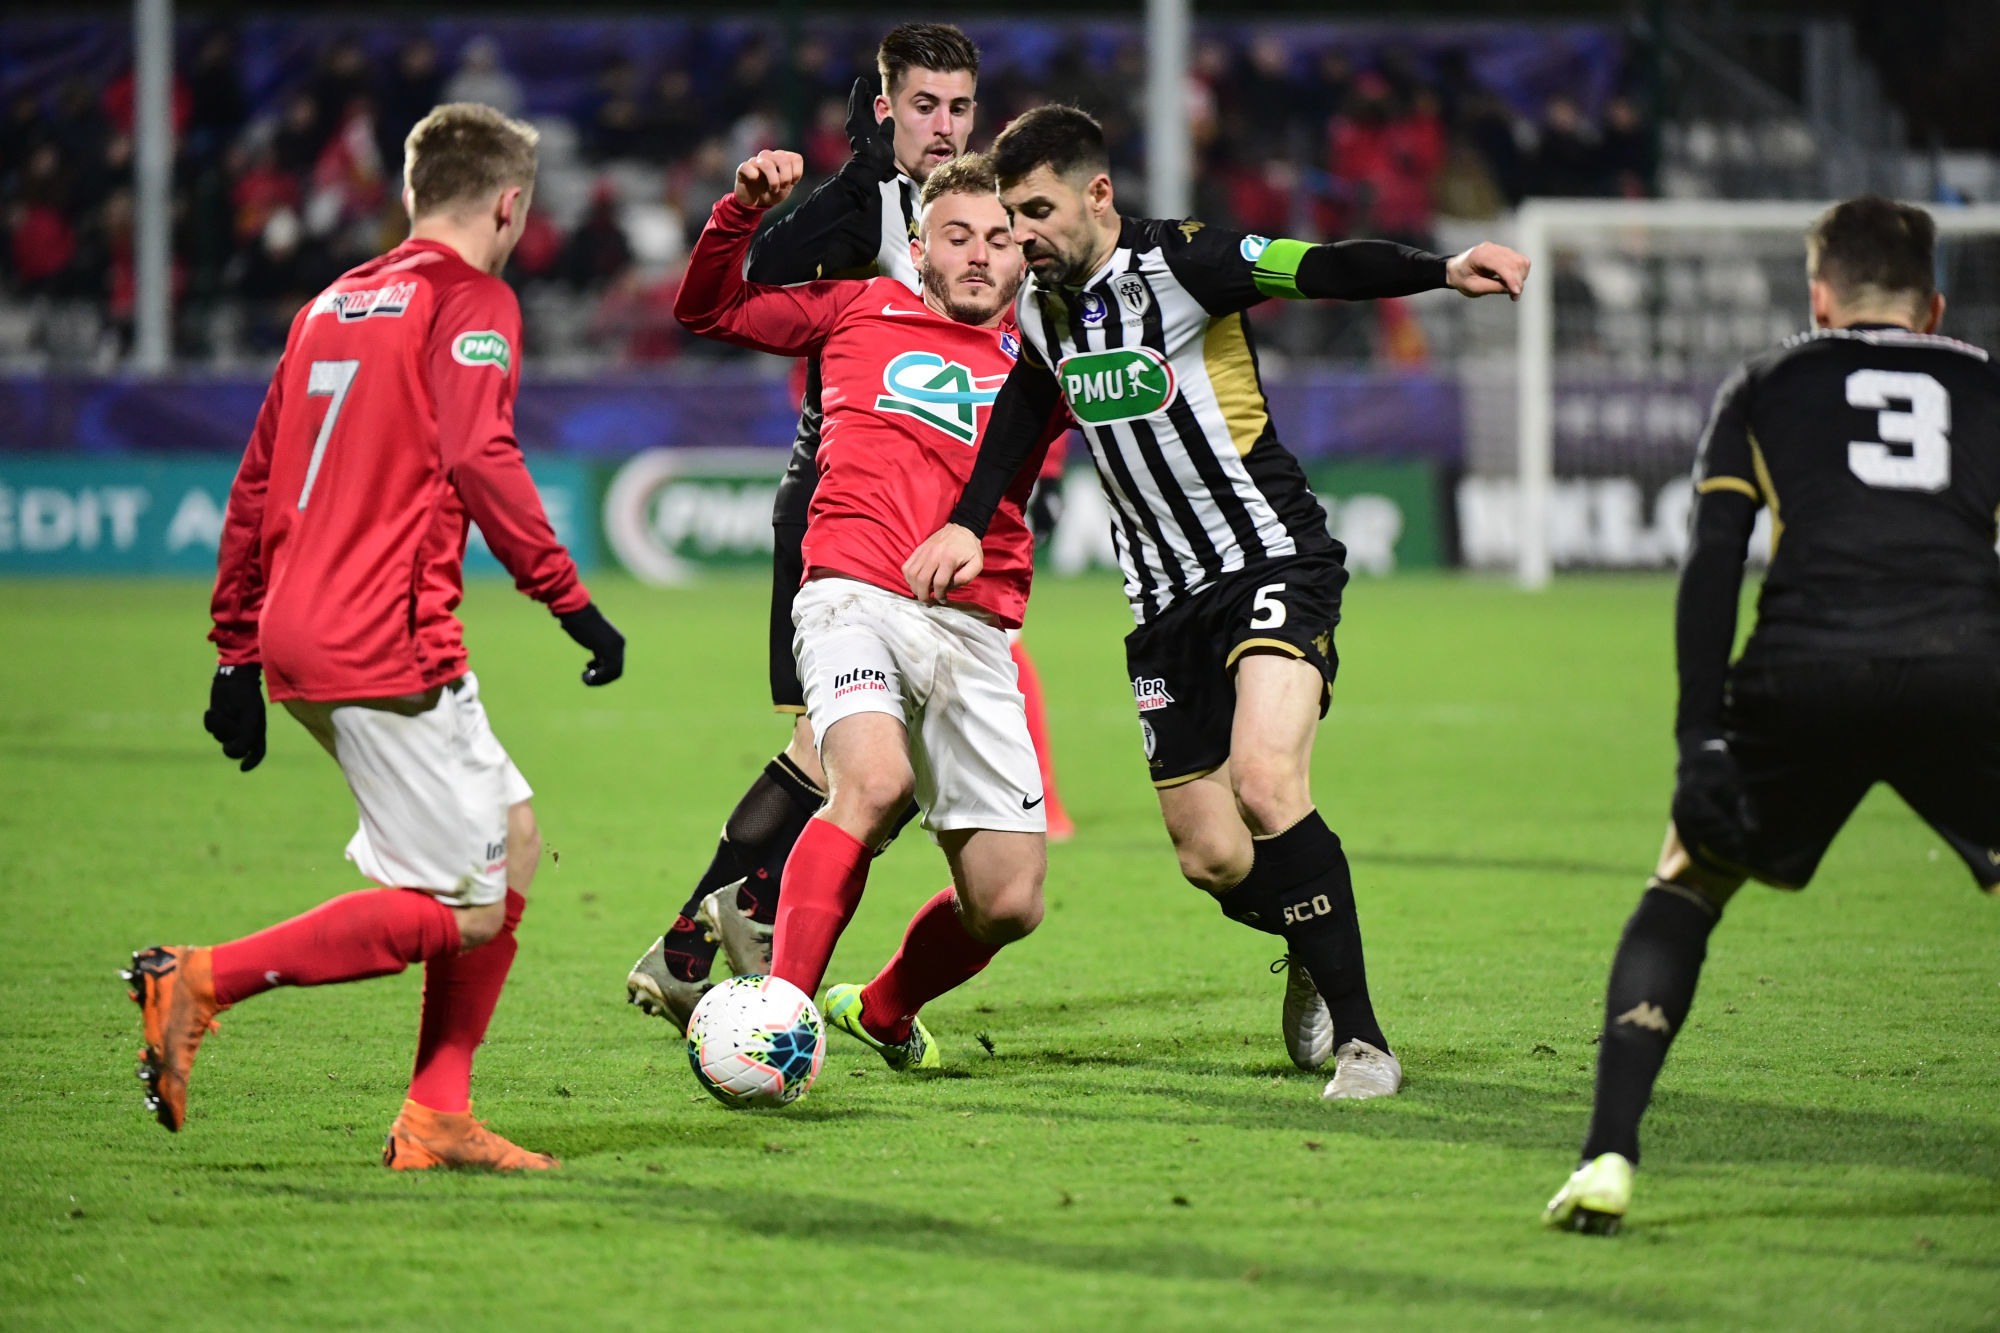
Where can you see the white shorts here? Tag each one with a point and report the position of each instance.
(945, 675)
(433, 789)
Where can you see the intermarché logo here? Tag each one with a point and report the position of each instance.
(1123, 384)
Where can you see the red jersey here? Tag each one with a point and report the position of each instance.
(904, 391)
(389, 423)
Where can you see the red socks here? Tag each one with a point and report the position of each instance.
(460, 990)
(370, 933)
(937, 955)
(822, 886)
(1038, 732)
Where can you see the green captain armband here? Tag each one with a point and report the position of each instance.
(1276, 267)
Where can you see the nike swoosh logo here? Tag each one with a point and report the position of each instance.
(1027, 804)
(891, 310)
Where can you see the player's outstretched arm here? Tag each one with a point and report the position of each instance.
(1487, 270)
(838, 228)
(1708, 808)
(235, 713)
(716, 302)
(1022, 418)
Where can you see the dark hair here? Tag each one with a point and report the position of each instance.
(938, 47)
(1872, 247)
(1061, 138)
(463, 151)
(968, 173)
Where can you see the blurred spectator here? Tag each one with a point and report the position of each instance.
(300, 135)
(615, 127)
(1386, 156)
(409, 92)
(1625, 151)
(261, 189)
(538, 256)
(41, 241)
(826, 147)
(216, 109)
(674, 120)
(749, 87)
(482, 78)
(597, 251)
(1566, 160)
(341, 80)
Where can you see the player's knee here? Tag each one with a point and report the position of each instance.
(874, 798)
(1271, 793)
(1004, 917)
(1210, 864)
(478, 925)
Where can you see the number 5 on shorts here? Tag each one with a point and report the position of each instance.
(1270, 611)
(326, 379)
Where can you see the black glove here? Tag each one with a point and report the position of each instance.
(1045, 509)
(606, 645)
(874, 144)
(235, 713)
(1710, 811)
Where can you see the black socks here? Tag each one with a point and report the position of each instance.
(1652, 986)
(1299, 888)
(754, 845)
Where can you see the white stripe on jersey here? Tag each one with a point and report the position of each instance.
(899, 205)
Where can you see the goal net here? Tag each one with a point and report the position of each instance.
(1636, 312)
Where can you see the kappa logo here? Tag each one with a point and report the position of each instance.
(1133, 293)
(1094, 309)
(1123, 384)
(1648, 1016)
(482, 347)
(1150, 693)
(937, 392)
(390, 301)
(1189, 228)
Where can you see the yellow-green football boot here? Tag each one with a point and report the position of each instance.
(1594, 1199)
(843, 1010)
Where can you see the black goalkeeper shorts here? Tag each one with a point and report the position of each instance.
(1183, 663)
(788, 570)
(1811, 737)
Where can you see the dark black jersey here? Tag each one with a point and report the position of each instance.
(1877, 451)
(848, 227)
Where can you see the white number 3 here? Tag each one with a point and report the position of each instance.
(1270, 611)
(1926, 428)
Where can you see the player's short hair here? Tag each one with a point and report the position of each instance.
(938, 47)
(968, 173)
(1062, 138)
(461, 152)
(1874, 249)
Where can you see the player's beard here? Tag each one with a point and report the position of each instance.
(955, 305)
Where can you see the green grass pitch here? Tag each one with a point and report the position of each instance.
(1134, 1152)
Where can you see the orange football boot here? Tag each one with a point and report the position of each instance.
(175, 993)
(422, 1139)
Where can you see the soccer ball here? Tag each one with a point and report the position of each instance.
(756, 1042)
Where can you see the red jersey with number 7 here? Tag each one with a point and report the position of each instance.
(905, 392)
(389, 425)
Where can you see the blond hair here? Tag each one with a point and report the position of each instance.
(968, 173)
(461, 152)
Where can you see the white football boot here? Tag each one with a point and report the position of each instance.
(1360, 1071)
(745, 943)
(1307, 1026)
(1594, 1199)
(659, 992)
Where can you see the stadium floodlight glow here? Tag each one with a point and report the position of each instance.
(1543, 226)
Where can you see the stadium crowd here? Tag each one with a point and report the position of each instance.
(277, 194)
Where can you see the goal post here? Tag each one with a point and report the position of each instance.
(1744, 259)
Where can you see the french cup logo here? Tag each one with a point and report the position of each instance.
(484, 347)
(1123, 384)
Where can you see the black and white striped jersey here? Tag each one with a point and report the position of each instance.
(1159, 368)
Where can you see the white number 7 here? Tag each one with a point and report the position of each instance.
(326, 379)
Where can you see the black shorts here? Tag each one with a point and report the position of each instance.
(788, 570)
(1183, 664)
(1811, 737)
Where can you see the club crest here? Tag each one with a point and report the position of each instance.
(1133, 293)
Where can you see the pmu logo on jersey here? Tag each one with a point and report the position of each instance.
(1150, 693)
(861, 678)
(390, 301)
(1123, 384)
(938, 392)
(484, 347)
